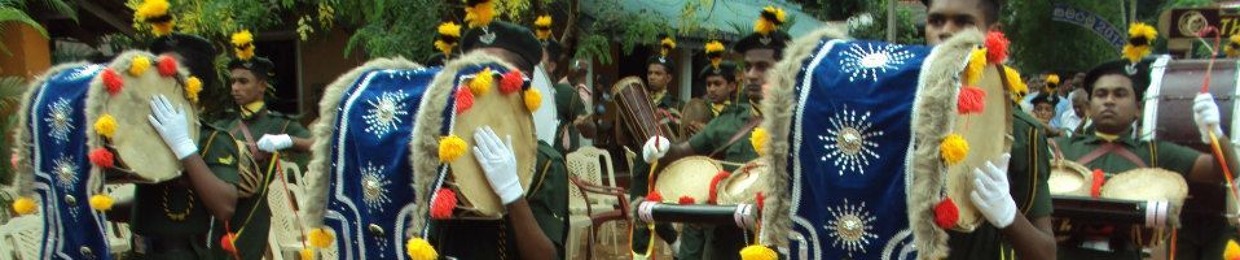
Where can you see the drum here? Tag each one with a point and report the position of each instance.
(987, 134)
(456, 106)
(744, 184)
(118, 107)
(688, 177)
(1069, 178)
(636, 112)
(546, 116)
(1150, 184)
(696, 112)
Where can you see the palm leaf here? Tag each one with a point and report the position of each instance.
(61, 7)
(13, 14)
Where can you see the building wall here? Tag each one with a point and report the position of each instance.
(321, 61)
(30, 51)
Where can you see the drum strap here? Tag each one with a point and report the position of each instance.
(249, 141)
(753, 123)
(1109, 147)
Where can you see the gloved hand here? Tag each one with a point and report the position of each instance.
(990, 193)
(172, 126)
(655, 148)
(274, 143)
(499, 162)
(1205, 113)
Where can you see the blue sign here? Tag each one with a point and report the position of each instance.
(1091, 21)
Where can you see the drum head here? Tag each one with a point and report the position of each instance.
(744, 185)
(1144, 184)
(507, 115)
(689, 176)
(987, 134)
(696, 110)
(137, 145)
(1069, 178)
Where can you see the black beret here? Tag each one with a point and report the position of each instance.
(511, 37)
(1139, 74)
(1049, 98)
(776, 40)
(662, 60)
(258, 65)
(196, 52)
(727, 69)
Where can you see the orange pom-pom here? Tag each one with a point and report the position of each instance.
(686, 200)
(714, 186)
(511, 82)
(971, 100)
(226, 242)
(946, 214)
(996, 47)
(654, 196)
(464, 99)
(445, 201)
(112, 81)
(167, 66)
(101, 157)
(1095, 190)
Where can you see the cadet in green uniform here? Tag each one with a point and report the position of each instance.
(1115, 103)
(548, 196)
(1013, 229)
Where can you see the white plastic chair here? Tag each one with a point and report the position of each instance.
(120, 239)
(285, 234)
(22, 236)
(588, 164)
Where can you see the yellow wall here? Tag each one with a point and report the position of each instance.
(31, 54)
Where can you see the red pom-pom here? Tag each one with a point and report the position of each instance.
(101, 157)
(112, 81)
(464, 99)
(714, 186)
(996, 47)
(445, 201)
(946, 214)
(686, 200)
(654, 196)
(1095, 190)
(971, 100)
(761, 200)
(226, 242)
(13, 161)
(167, 66)
(511, 82)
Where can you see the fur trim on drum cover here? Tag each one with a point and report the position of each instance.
(23, 174)
(933, 117)
(425, 144)
(322, 130)
(778, 105)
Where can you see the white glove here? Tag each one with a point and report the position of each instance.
(1205, 113)
(274, 143)
(172, 126)
(499, 162)
(990, 193)
(655, 148)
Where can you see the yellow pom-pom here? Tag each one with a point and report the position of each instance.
(1018, 89)
(714, 46)
(152, 9)
(481, 83)
(449, 28)
(320, 237)
(1143, 32)
(101, 202)
(542, 27)
(444, 47)
(1232, 252)
(480, 14)
(543, 21)
(769, 20)
(953, 149)
(106, 125)
(758, 252)
(193, 85)
(1134, 54)
(24, 205)
(451, 147)
(161, 29)
(307, 254)
(758, 139)
(419, 249)
(977, 64)
(242, 38)
(139, 65)
(533, 99)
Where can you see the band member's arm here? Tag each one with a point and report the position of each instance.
(295, 137)
(499, 162)
(1031, 240)
(220, 197)
(992, 197)
(1206, 115)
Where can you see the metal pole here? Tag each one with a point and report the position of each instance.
(891, 20)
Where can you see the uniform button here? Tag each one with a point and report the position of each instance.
(70, 200)
(376, 230)
(86, 252)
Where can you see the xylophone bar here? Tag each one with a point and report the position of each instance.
(742, 215)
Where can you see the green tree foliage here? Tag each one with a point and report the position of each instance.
(15, 11)
(907, 31)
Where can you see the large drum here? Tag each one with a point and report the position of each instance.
(987, 134)
(687, 179)
(744, 185)
(637, 114)
(694, 116)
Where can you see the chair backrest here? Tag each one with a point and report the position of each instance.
(603, 160)
(284, 227)
(629, 157)
(23, 235)
(585, 167)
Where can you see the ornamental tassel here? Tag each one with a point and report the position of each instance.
(451, 148)
(445, 202)
(654, 196)
(419, 249)
(996, 47)
(1095, 189)
(464, 100)
(972, 100)
(320, 237)
(686, 200)
(24, 205)
(511, 82)
(101, 202)
(953, 149)
(946, 214)
(714, 186)
(1233, 250)
(481, 83)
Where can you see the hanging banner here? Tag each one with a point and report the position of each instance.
(1089, 20)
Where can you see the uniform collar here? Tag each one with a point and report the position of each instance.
(717, 108)
(1091, 136)
(253, 108)
(658, 96)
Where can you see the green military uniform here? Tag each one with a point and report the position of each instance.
(568, 106)
(548, 200)
(263, 122)
(1199, 237)
(1028, 171)
(170, 221)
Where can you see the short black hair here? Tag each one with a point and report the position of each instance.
(990, 8)
(1139, 73)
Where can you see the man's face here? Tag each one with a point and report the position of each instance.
(945, 18)
(657, 77)
(1113, 104)
(1044, 112)
(759, 62)
(718, 89)
(1078, 81)
(246, 88)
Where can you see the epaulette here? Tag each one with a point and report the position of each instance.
(549, 152)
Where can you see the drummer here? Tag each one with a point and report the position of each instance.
(1023, 229)
(761, 50)
(529, 230)
(1114, 105)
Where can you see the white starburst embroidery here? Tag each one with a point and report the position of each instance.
(374, 187)
(385, 112)
(850, 227)
(85, 72)
(60, 119)
(66, 172)
(867, 61)
(849, 141)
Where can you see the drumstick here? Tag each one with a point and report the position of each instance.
(1205, 88)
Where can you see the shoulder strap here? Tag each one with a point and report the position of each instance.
(744, 131)
(1106, 148)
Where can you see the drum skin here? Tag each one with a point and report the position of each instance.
(987, 134)
(689, 176)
